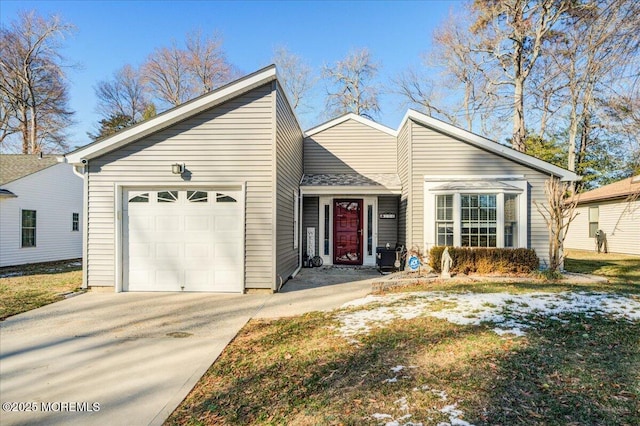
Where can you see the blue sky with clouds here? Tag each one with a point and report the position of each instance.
(112, 33)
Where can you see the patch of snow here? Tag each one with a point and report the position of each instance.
(379, 416)
(397, 368)
(394, 380)
(511, 313)
(454, 416)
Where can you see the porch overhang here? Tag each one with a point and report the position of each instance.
(350, 184)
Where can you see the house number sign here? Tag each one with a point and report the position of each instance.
(387, 215)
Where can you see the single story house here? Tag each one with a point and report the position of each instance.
(227, 193)
(40, 210)
(614, 209)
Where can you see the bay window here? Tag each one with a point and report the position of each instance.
(476, 213)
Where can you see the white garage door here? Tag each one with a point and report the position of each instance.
(183, 240)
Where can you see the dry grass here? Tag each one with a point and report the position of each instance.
(298, 371)
(578, 371)
(31, 286)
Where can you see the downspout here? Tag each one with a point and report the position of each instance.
(299, 232)
(85, 215)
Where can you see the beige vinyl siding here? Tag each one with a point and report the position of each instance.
(387, 228)
(350, 147)
(232, 142)
(311, 219)
(619, 219)
(433, 153)
(289, 173)
(404, 166)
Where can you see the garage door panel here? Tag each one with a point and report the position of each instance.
(140, 250)
(168, 279)
(184, 244)
(197, 223)
(168, 223)
(167, 250)
(196, 252)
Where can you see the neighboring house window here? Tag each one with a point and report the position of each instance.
(75, 221)
(296, 213)
(444, 220)
(28, 228)
(594, 219)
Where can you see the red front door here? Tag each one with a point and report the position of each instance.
(347, 232)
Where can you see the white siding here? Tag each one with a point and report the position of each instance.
(619, 219)
(55, 193)
(433, 153)
(289, 173)
(231, 143)
(350, 147)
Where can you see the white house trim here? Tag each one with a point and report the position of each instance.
(349, 190)
(488, 145)
(366, 201)
(350, 116)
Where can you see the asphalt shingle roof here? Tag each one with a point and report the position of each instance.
(16, 166)
(620, 189)
(387, 180)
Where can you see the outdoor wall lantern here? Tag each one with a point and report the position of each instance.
(177, 168)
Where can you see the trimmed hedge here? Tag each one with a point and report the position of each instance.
(487, 260)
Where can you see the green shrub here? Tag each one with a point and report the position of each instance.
(487, 260)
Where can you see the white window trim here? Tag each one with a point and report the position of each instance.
(432, 182)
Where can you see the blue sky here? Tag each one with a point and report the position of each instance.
(112, 33)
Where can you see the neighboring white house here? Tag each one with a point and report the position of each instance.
(40, 210)
(614, 209)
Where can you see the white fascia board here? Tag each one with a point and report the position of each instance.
(489, 145)
(286, 97)
(172, 116)
(350, 116)
(349, 190)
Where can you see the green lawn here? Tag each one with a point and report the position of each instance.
(620, 269)
(29, 287)
(573, 369)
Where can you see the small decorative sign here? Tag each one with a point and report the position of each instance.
(413, 263)
(387, 215)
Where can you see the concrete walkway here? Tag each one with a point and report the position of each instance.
(130, 358)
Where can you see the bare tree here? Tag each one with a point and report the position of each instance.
(124, 95)
(206, 62)
(351, 85)
(33, 86)
(460, 94)
(513, 33)
(167, 73)
(297, 76)
(558, 213)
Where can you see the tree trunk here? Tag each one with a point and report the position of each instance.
(519, 130)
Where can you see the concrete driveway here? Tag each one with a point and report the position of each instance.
(130, 358)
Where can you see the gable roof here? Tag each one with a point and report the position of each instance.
(621, 189)
(173, 116)
(346, 117)
(488, 145)
(16, 166)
